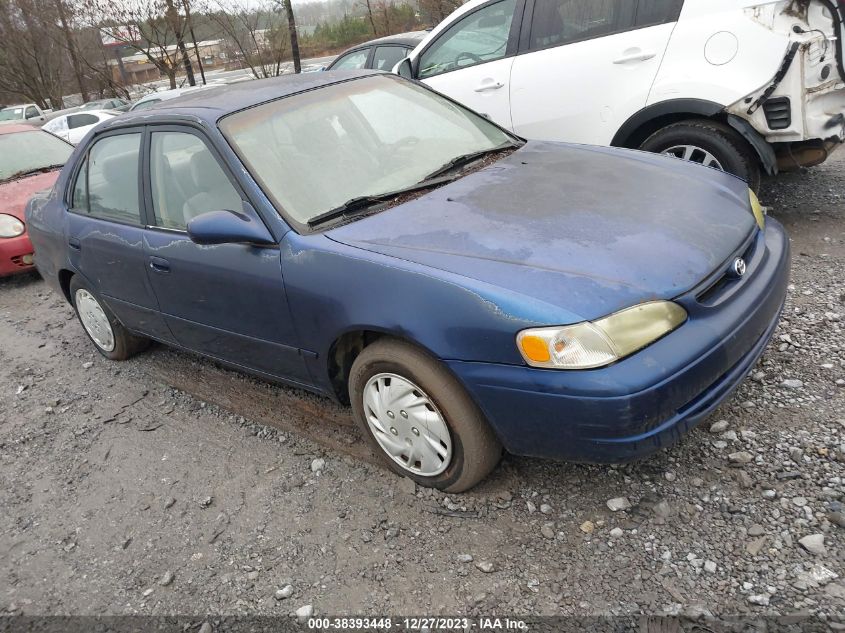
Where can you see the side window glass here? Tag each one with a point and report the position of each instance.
(651, 12)
(187, 180)
(557, 22)
(81, 120)
(113, 178)
(352, 61)
(386, 57)
(480, 37)
(79, 197)
(31, 113)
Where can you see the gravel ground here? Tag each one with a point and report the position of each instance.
(166, 485)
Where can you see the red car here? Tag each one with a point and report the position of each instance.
(30, 160)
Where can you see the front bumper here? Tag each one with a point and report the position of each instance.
(16, 255)
(648, 401)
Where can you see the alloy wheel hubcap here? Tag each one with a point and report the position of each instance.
(94, 320)
(694, 154)
(407, 425)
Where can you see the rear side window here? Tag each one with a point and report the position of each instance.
(106, 186)
(651, 12)
(81, 120)
(386, 57)
(558, 22)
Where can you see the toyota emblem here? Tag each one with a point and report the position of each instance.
(739, 267)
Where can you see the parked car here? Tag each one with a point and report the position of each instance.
(363, 237)
(29, 162)
(153, 98)
(118, 105)
(740, 86)
(74, 126)
(380, 54)
(23, 113)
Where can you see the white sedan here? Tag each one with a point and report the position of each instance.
(74, 126)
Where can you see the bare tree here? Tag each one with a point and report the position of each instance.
(294, 39)
(256, 36)
(32, 64)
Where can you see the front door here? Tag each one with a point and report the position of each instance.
(588, 65)
(227, 300)
(471, 60)
(105, 232)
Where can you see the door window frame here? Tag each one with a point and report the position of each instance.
(84, 161)
(146, 169)
(511, 49)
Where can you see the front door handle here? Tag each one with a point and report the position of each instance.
(159, 265)
(492, 85)
(74, 243)
(634, 55)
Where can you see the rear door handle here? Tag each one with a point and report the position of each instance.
(634, 55)
(74, 243)
(159, 265)
(493, 85)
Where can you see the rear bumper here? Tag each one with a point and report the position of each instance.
(649, 400)
(15, 252)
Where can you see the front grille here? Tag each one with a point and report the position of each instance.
(778, 113)
(715, 292)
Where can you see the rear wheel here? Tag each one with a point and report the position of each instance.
(419, 418)
(109, 336)
(708, 143)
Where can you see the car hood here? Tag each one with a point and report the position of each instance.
(588, 229)
(14, 194)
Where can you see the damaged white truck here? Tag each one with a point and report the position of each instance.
(741, 85)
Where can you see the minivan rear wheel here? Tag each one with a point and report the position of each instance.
(709, 143)
(109, 336)
(419, 418)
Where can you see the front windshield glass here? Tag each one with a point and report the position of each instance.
(11, 114)
(314, 151)
(30, 151)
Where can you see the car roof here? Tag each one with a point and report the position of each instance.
(14, 128)
(213, 103)
(411, 39)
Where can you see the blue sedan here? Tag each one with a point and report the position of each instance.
(465, 291)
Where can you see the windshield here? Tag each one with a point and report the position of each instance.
(11, 114)
(313, 152)
(29, 151)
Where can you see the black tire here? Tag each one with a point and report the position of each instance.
(126, 344)
(475, 448)
(724, 143)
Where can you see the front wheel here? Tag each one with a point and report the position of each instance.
(109, 336)
(708, 143)
(419, 418)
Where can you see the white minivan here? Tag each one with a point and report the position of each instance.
(741, 85)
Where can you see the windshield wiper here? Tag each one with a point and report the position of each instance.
(35, 170)
(466, 159)
(362, 203)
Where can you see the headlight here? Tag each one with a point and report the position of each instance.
(757, 209)
(598, 343)
(10, 226)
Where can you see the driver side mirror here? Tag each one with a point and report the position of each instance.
(228, 227)
(405, 69)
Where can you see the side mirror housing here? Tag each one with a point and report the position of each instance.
(228, 227)
(405, 68)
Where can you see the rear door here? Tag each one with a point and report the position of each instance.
(227, 300)
(105, 231)
(471, 60)
(586, 66)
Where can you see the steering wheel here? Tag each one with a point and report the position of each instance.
(467, 55)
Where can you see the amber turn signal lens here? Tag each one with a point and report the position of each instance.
(535, 348)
